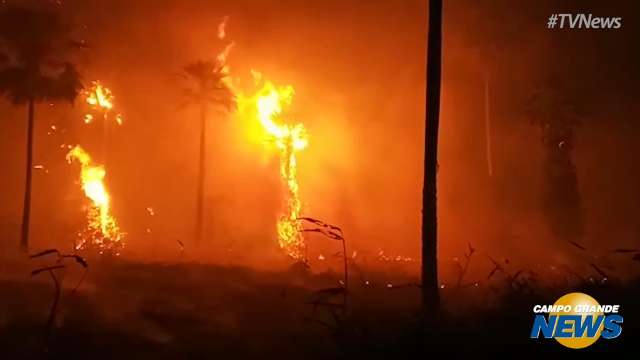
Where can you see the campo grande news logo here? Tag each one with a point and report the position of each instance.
(576, 321)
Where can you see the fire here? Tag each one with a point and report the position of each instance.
(100, 98)
(222, 28)
(267, 106)
(102, 229)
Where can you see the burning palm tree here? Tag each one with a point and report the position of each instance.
(267, 106)
(209, 89)
(100, 99)
(35, 40)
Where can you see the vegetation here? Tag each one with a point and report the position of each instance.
(35, 44)
(207, 89)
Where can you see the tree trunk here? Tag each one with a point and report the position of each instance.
(430, 294)
(105, 140)
(26, 215)
(487, 126)
(201, 176)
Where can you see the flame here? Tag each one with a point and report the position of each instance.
(102, 228)
(267, 106)
(222, 58)
(100, 99)
(222, 28)
(99, 96)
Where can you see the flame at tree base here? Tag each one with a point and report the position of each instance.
(289, 231)
(102, 231)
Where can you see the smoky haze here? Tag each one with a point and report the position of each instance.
(359, 73)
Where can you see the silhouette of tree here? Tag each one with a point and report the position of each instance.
(430, 294)
(207, 89)
(34, 43)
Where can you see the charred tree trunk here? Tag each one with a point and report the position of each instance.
(26, 214)
(430, 294)
(201, 176)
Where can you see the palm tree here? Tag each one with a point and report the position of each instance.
(33, 42)
(430, 294)
(208, 89)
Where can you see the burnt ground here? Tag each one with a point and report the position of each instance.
(126, 310)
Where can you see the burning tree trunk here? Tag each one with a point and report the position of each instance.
(266, 107)
(430, 295)
(26, 215)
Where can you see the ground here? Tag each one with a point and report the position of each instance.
(185, 310)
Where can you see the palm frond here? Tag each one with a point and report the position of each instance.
(207, 84)
(65, 86)
(36, 40)
(19, 84)
(15, 84)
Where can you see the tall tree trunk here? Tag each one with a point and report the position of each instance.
(201, 176)
(487, 125)
(430, 294)
(26, 214)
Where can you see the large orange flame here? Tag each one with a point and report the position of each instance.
(267, 106)
(102, 229)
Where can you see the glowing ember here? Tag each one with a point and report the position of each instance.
(267, 106)
(102, 229)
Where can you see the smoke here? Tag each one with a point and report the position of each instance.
(359, 74)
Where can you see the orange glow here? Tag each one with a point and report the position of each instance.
(102, 229)
(266, 107)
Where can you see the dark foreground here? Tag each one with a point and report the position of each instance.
(189, 311)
